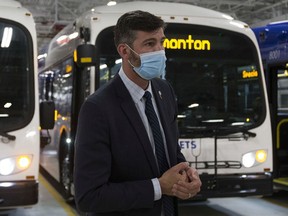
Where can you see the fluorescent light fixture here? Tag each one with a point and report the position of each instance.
(118, 61)
(7, 36)
(103, 66)
(64, 39)
(181, 116)
(7, 105)
(111, 3)
(214, 120)
(193, 105)
(238, 123)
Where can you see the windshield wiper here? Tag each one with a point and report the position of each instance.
(248, 134)
(219, 132)
(231, 134)
(8, 136)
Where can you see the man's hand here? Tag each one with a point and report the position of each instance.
(185, 189)
(173, 176)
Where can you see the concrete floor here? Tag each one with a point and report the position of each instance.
(52, 204)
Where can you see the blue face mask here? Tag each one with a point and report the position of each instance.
(152, 64)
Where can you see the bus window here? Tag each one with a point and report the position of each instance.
(210, 91)
(16, 79)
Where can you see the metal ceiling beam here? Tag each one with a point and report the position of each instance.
(50, 13)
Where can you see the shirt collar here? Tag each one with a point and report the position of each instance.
(135, 91)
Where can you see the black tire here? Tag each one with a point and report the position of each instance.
(66, 167)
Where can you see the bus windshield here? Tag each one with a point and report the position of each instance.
(16, 76)
(215, 74)
(216, 77)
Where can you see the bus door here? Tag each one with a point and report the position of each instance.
(278, 96)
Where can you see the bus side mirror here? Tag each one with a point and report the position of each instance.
(47, 112)
(85, 55)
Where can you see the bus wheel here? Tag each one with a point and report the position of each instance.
(65, 165)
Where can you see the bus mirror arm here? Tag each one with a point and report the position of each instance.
(245, 135)
(45, 138)
(85, 34)
(248, 134)
(8, 136)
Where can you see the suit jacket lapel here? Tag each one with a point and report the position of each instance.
(132, 114)
(161, 97)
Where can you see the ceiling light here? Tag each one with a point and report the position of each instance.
(7, 36)
(111, 3)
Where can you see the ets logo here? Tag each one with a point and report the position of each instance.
(187, 143)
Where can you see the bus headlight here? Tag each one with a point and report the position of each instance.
(15, 164)
(254, 158)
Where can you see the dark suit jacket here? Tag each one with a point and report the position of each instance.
(114, 161)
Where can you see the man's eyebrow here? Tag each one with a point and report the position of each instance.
(153, 39)
(149, 39)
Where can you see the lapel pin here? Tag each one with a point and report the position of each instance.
(160, 94)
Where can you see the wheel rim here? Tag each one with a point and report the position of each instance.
(65, 174)
(65, 165)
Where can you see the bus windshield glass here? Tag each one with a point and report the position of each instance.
(16, 76)
(216, 78)
(215, 74)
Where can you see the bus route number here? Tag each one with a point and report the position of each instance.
(274, 54)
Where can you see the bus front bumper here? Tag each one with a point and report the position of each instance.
(18, 193)
(235, 185)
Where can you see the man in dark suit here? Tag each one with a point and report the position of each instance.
(117, 167)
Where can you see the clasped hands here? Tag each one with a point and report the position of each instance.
(181, 181)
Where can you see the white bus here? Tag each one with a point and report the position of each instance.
(214, 65)
(19, 107)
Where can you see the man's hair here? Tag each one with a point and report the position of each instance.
(130, 22)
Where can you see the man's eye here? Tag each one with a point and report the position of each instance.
(150, 44)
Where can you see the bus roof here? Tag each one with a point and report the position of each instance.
(160, 8)
(272, 41)
(107, 16)
(10, 3)
(13, 10)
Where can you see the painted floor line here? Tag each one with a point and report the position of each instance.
(57, 197)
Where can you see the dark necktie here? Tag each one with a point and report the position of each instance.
(159, 149)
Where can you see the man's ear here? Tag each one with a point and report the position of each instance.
(123, 50)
